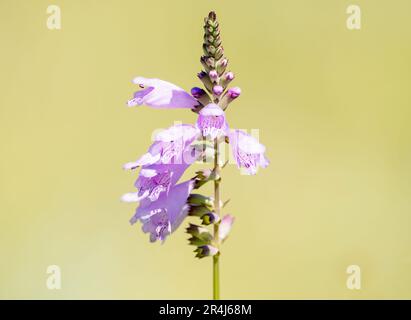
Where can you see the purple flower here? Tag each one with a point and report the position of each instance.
(168, 147)
(150, 184)
(165, 163)
(247, 151)
(160, 218)
(157, 178)
(211, 121)
(157, 93)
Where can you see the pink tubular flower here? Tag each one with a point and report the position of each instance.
(164, 164)
(161, 94)
(155, 179)
(247, 151)
(150, 184)
(168, 147)
(160, 218)
(211, 121)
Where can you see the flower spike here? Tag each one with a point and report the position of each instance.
(164, 201)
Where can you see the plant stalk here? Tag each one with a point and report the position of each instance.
(216, 269)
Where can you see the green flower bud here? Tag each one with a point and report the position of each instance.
(199, 199)
(198, 211)
(221, 65)
(210, 218)
(200, 236)
(218, 53)
(210, 62)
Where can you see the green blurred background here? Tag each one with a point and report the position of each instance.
(332, 106)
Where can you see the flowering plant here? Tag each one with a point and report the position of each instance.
(164, 202)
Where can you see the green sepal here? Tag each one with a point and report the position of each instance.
(198, 210)
(221, 67)
(204, 176)
(194, 241)
(200, 236)
(206, 251)
(199, 199)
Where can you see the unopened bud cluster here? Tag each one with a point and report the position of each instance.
(214, 75)
(213, 99)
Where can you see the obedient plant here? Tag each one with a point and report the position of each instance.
(164, 202)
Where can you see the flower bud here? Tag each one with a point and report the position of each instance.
(197, 92)
(210, 62)
(221, 65)
(199, 199)
(218, 90)
(198, 231)
(225, 227)
(205, 79)
(213, 75)
(212, 16)
(201, 74)
(229, 76)
(210, 218)
(234, 92)
(226, 78)
(200, 236)
(211, 50)
(207, 62)
(230, 95)
(204, 174)
(209, 38)
(207, 175)
(203, 62)
(218, 53)
(198, 210)
(206, 251)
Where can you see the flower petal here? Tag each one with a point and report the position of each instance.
(211, 121)
(145, 159)
(162, 217)
(184, 132)
(225, 227)
(134, 197)
(161, 94)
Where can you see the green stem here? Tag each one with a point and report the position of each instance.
(216, 278)
(216, 271)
